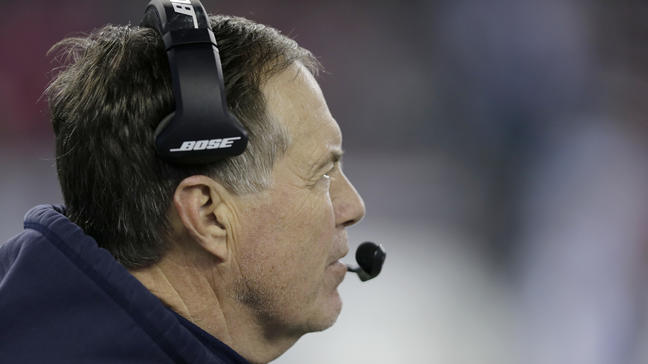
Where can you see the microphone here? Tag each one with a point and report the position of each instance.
(370, 257)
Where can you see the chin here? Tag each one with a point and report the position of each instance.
(328, 313)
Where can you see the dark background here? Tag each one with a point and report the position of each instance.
(500, 148)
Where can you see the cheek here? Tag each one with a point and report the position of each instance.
(291, 234)
(310, 219)
(285, 247)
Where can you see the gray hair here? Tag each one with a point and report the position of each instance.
(108, 98)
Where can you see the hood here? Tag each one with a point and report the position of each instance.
(63, 299)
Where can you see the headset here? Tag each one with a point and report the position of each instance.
(201, 130)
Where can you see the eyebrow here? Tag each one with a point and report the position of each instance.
(333, 157)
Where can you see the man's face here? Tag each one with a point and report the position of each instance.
(292, 234)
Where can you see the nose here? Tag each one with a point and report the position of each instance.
(347, 203)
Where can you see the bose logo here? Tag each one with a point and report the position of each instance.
(205, 144)
(185, 7)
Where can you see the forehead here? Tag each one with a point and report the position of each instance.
(295, 100)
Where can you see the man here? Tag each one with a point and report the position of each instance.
(225, 263)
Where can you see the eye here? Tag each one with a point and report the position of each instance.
(330, 171)
(325, 179)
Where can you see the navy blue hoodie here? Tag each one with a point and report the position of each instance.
(65, 300)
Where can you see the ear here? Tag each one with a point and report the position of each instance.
(200, 203)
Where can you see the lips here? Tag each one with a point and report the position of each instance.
(339, 271)
(340, 255)
(340, 247)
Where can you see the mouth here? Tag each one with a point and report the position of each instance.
(341, 255)
(339, 271)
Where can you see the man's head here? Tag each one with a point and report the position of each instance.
(265, 229)
(106, 104)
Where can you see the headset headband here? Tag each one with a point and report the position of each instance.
(200, 130)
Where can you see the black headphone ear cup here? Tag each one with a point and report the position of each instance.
(201, 114)
(162, 125)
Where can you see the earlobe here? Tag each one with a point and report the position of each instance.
(200, 203)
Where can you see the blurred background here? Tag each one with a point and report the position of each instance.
(500, 147)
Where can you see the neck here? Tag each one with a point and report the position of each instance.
(200, 292)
